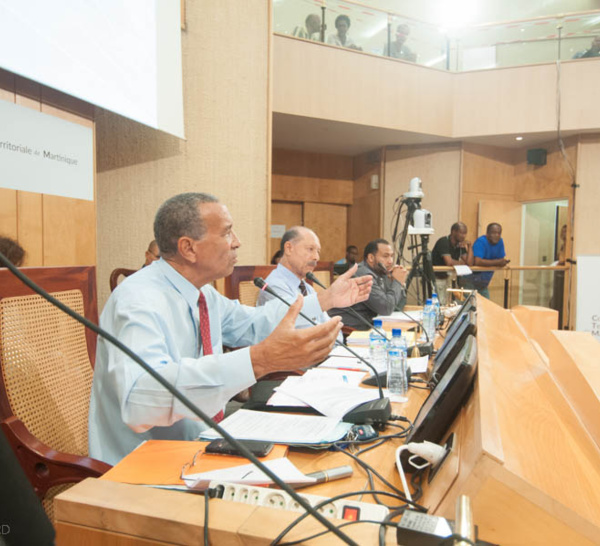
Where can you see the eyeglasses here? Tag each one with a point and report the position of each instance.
(187, 466)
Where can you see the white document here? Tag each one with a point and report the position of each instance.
(418, 365)
(281, 428)
(332, 402)
(462, 270)
(249, 474)
(340, 351)
(399, 316)
(343, 363)
(285, 394)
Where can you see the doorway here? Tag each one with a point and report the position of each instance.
(540, 245)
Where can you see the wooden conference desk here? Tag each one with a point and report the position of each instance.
(522, 455)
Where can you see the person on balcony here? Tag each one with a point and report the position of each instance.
(488, 251)
(398, 48)
(342, 25)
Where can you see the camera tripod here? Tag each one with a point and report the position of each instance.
(421, 266)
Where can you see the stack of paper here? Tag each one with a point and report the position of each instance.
(281, 428)
(400, 316)
(332, 392)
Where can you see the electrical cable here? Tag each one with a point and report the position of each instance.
(183, 399)
(383, 480)
(325, 503)
(346, 524)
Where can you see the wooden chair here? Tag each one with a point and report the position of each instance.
(323, 272)
(240, 284)
(116, 273)
(46, 368)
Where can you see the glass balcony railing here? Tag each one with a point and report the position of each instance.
(476, 47)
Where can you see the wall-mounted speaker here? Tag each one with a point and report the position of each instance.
(536, 156)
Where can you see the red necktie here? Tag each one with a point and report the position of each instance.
(205, 337)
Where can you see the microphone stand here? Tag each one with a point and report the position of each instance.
(182, 398)
(377, 411)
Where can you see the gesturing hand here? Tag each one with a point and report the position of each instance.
(346, 290)
(288, 348)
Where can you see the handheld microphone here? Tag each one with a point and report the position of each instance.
(311, 277)
(376, 412)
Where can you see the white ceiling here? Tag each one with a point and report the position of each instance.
(334, 137)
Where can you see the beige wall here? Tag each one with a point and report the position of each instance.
(439, 169)
(53, 230)
(327, 82)
(226, 48)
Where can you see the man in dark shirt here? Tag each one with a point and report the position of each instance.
(454, 249)
(388, 291)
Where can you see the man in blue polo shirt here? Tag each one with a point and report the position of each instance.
(488, 251)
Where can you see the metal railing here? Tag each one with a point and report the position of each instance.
(545, 286)
(473, 47)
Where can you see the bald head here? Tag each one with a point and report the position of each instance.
(301, 250)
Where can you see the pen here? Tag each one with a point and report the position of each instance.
(351, 370)
(323, 476)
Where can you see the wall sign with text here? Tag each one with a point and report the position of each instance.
(45, 154)
(588, 295)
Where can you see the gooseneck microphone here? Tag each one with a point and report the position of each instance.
(417, 322)
(179, 396)
(376, 412)
(311, 277)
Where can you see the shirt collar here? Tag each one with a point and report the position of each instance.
(288, 276)
(189, 292)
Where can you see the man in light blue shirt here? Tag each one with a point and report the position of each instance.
(301, 250)
(155, 312)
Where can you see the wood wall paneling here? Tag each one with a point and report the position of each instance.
(286, 214)
(329, 223)
(30, 227)
(439, 168)
(53, 230)
(364, 215)
(312, 165)
(316, 190)
(8, 213)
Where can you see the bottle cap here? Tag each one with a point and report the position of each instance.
(396, 332)
(434, 295)
(377, 323)
(428, 302)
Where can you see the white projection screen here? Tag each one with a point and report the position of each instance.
(121, 55)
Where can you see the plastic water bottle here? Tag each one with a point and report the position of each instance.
(396, 375)
(397, 364)
(429, 321)
(438, 309)
(377, 348)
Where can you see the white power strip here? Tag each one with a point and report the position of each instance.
(275, 498)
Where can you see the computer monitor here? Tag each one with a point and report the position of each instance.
(444, 402)
(465, 325)
(467, 305)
